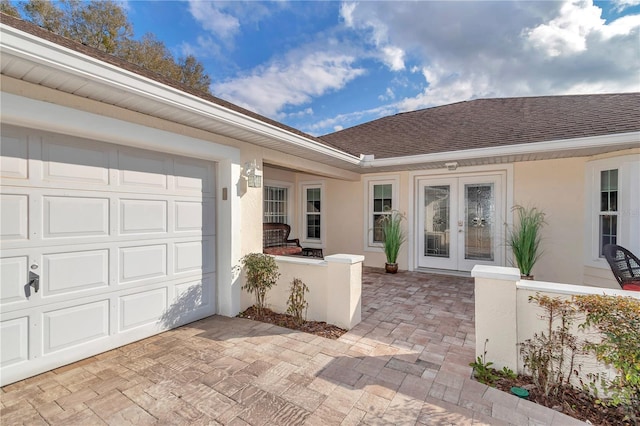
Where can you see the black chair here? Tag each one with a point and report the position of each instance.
(624, 265)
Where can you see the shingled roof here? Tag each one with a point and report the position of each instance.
(486, 123)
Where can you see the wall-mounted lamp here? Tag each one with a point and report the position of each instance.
(451, 166)
(253, 174)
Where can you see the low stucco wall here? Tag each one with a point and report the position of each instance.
(335, 288)
(504, 316)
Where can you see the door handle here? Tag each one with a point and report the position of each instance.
(34, 281)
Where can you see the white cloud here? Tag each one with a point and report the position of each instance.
(293, 80)
(623, 4)
(496, 49)
(567, 33)
(204, 47)
(391, 55)
(214, 19)
(388, 94)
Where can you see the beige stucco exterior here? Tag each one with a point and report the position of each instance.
(555, 186)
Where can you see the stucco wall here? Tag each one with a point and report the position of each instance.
(557, 188)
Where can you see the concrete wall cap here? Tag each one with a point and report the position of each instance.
(496, 272)
(301, 260)
(344, 258)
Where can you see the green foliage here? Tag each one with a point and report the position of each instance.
(485, 373)
(524, 238)
(104, 25)
(297, 304)
(508, 373)
(261, 274)
(393, 234)
(550, 355)
(618, 319)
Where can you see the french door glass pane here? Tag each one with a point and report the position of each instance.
(479, 208)
(437, 205)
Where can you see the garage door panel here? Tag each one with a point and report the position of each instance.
(142, 308)
(75, 217)
(193, 176)
(75, 325)
(14, 217)
(143, 216)
(193, 256)
(72, 162)
(142, 262)
(14, 163)
(142, 170)
(72, 272)
(13, 278)
(15, 342)
(188, 216)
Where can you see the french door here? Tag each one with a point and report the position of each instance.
(460, 222)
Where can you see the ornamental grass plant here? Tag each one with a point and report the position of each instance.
(524, 238)
(393, 234)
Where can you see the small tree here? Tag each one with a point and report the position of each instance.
(261, 274)
(550, 354)
(297, 304)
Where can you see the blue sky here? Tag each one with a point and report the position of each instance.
(321, 66)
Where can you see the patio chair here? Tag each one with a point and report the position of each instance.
(624, 265)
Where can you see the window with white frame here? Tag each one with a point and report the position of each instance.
(313, 213)
(612, 205)
(276, 204)
(382, 200)
(608, 215)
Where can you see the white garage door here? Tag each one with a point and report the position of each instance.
(102, 245)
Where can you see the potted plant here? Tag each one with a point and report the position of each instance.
(393, 238)
(261, 274)
(524, 238)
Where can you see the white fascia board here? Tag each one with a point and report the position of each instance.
(507, 150)
(40, 51)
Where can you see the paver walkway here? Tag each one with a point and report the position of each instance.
(406, 363)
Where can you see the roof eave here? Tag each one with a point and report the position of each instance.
(549, 149)
(41, 52)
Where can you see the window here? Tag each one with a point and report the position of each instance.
(276, 204)
(382, 200)
(313, 208)
(608, 216)
(382, 206)
(612, 206)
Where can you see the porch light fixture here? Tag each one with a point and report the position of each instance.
(451, 166)
(253, 174)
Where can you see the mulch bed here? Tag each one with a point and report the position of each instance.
(319, 328)
(571, 401)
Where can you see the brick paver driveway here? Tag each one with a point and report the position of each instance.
(406, 363)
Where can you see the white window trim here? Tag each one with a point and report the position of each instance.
(369, 182)
(290, 199)
(313, 243)
(628, 206)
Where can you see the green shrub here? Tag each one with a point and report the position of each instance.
(618, 319)
(261, 274)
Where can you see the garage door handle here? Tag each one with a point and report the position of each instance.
(34, 281)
